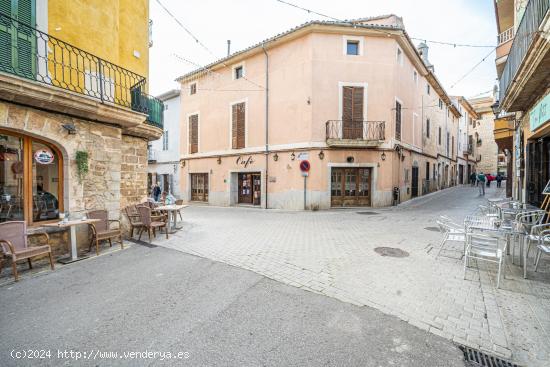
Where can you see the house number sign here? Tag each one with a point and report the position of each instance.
(245, 162)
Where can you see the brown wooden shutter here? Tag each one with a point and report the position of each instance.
(194, 133)
(238, 126)
(357, 114)
(347, 103)
(352, 112)
(398, 120)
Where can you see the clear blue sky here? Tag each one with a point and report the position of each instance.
(246, 22)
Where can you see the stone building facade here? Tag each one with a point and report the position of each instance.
(486, 147)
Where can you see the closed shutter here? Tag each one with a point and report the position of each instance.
(17, 40)
(352, 112)
(238, 126)
(398, 120)
(194, 133)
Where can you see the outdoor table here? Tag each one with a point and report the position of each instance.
(71, 224)
(172, 211)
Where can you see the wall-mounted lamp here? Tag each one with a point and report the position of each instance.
(275, 157)
(292, 156)
(308, 100)
(321, 155)
(350, 159)
(219, 160)
(383, 156)
(182, 164)
(71, 129)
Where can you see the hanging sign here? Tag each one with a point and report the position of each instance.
(44, 156)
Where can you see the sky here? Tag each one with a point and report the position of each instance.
(246, 22)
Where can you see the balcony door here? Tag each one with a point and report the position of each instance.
(352, 112)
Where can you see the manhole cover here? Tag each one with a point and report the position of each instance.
(477, 358)
(391, 251)
(433, 229)
(368, 213)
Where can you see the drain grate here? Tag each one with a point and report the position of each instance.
(433, 229)
(368, 213)
(391, 252)
(477, 358)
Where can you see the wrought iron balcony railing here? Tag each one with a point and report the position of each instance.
(373, 131)
(30, 53)
(533, 16)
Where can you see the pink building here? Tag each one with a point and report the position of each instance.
(356, 100)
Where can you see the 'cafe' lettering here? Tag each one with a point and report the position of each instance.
(245, 162)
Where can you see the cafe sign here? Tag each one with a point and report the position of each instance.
(540, 113)
(245, 162)
(44, 156)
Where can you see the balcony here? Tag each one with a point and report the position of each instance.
(469, 149)
(355, 133)
(526, 70)
(34, 55)
(152, 154)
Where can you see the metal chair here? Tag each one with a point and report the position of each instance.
(451, 231)
(482, 247)
(543, 246)
(523, 224)
(14, 243)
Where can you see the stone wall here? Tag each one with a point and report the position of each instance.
(488, 148)
(117, 163)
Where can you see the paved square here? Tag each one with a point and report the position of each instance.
(331, 253)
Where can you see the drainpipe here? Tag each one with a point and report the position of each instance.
(266, 122)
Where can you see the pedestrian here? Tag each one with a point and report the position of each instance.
(473, 177)
(499, 180)
(156, 191)
(481, 183)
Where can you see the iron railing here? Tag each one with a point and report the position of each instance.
(532, 17)
(356, 130)
(32, 54)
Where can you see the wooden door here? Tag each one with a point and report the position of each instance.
(245, 188)
(350, 187)
(414, 184)
(199, 186)
(352, 112)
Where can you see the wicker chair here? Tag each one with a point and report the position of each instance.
(102, 230)
(14, 243)
(150, 223)
(134, 218)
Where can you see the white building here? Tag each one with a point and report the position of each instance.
(164, 153)
(466, 152)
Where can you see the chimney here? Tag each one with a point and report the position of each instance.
(228, 47)
(423, 50)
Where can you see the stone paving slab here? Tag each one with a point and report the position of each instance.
(332, 253)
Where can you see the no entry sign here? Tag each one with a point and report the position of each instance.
(305, 166)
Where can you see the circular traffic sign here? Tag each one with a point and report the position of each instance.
(305, 166)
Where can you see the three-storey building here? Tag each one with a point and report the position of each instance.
(357, 100)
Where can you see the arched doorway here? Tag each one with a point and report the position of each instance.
(31, 178)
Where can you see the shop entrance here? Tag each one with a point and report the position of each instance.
(250, 188)
(199, 186)
(350, 187)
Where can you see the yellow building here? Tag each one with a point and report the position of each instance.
(75, 118)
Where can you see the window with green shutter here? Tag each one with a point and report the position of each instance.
(17, 39)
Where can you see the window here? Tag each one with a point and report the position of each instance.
(31, 179)
(399, 56)
(427, 171)
(440, 104)
(238, 133)
(193, 134)
(415, 77)
(439, 136)
(427, 128)
(193, 89)
(239, 72)
(447, 144)
(352, 47)
(397, 120)
(352, 112)
(406, 175)
(434, 172)
(453, 146)
(428, 89)
(165, 106)
(165, 140)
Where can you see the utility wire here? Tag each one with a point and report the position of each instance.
(473, 68)
(200, 43)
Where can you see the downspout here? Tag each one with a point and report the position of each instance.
(266, 123)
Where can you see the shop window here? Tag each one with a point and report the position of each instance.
(31, 184)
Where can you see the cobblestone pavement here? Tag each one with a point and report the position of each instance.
(331, 253)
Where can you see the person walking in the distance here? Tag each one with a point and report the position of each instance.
(473, 178)
(156, 191)
(499, 180)
(480, 182)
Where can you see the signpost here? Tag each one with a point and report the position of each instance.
(304, 167)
